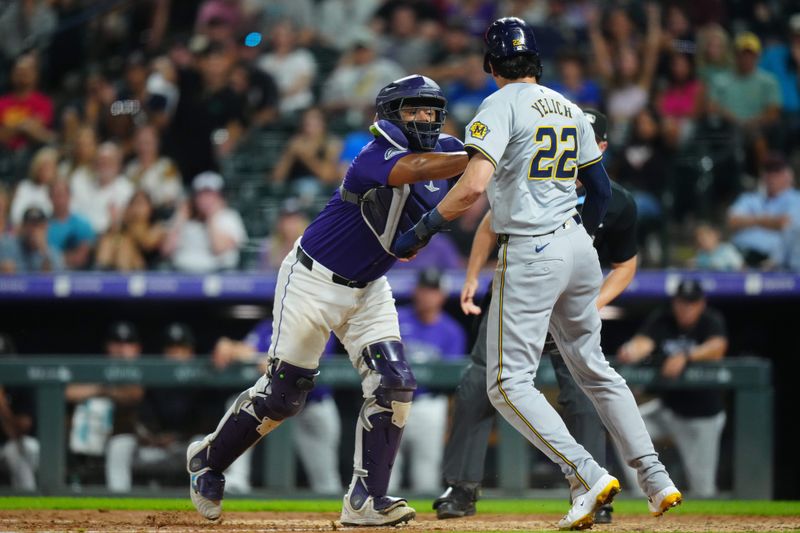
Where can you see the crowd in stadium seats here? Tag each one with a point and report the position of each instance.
(110, 111)
(202, 136)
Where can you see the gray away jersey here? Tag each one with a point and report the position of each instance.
(536, 139)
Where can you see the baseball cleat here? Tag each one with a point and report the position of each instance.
(457, 501)
(205, 486)
(581, 515)
(385, 511)
(664, 500)
(603, 515)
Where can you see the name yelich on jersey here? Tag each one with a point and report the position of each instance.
(546, 106)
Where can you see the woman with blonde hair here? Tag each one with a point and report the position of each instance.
(34, 191)
(714, 51)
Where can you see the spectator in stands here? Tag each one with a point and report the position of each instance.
(315, 431)
(257, 90)
(628, 71)
(469, 90)
(219, 20)
(478, 13)
(29, 251)
(105, 417)
(429, 334)
(69, 234)
(450, 51)
(642, 165)
(5, 209)
(289, 227)
(208, 122)
(26, 115)
(712, 253)
(155, 174)
(101, 197)
(683, 335)
(761, 219)
(25, 25)
(20, 451)
(747, 97)
(301, 14)
(352, 86)
(404, 42)
(573, 84)
(205, 235)
(130, 103)
(338, 20)
(79, 166)
(714, 52)
(34, 190)
(292, 68)
(135, 243)
(309, 162)
(680, 102)
(782, 60)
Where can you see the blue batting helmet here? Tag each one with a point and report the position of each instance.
(414, 91)
(509, 37)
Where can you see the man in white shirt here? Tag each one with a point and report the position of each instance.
(206, 236)
(102, 198)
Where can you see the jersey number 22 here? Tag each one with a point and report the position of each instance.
(559, 159)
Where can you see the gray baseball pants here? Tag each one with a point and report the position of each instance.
(553, 281)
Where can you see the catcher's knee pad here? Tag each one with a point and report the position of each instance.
(284, 392)
(277, 395)
(397, 383)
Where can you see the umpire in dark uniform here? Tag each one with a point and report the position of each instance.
(465, 452)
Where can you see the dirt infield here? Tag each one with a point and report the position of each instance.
(101, 520)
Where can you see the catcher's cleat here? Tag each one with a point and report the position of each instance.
(205, 486)
(664, 500)
(457, 501)
(361, 509)
(603, 515)
(581, 515)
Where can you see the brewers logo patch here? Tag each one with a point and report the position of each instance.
(478, 130)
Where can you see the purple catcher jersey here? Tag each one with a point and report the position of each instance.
(340, 239)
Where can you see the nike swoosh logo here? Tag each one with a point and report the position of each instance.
(540, 248)
(431, 187)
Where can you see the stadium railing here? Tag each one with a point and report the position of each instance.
(749, 380)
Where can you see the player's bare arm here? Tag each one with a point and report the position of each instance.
(482, 245)
(418, 167)
(636, 349)
(615, 282)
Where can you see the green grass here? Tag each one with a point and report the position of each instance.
(704, 507)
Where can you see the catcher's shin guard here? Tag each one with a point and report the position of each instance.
(380, 423)
(279, 394)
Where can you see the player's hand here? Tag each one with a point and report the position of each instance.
(674, 365)
(467, 297)
(410, 242)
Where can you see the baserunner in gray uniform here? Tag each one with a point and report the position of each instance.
(536, 143)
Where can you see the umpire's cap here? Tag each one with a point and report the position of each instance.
(599, 123)
(509, 37)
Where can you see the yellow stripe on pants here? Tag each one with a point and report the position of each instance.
(500, 374)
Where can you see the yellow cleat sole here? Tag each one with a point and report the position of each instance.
(673, 500)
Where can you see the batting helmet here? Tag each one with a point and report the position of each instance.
(414, 91)
(510, 37)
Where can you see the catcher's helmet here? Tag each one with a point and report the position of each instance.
(509, 37)
(414, 91)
